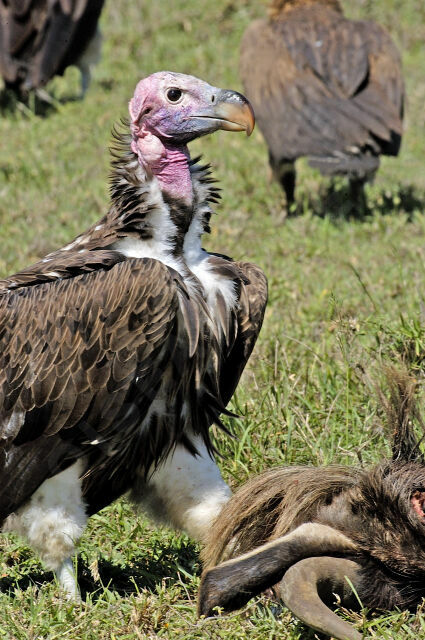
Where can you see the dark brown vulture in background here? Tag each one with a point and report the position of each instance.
(41, 38)
(324, 87)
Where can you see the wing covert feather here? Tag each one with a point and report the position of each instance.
(80, 362)
(250, 314)
(72, 338)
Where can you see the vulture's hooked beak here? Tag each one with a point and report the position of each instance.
(229, 110)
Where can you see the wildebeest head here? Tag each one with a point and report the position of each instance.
(306, 530)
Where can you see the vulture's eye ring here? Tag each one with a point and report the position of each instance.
(174, 95)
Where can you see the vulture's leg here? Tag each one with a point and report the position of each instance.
(91, 56)
(185, 491)
(287, 180)
(85, 79)
(285, 173)
(357, 195)
(66, 577)
(52, 521)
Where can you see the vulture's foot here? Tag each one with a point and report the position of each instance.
(67, 579)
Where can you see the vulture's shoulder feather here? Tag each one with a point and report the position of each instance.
(61, 265)
(309, 78)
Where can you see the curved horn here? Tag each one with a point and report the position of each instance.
(231, 584)
(304, 583)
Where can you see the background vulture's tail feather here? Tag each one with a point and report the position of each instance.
(359, 166)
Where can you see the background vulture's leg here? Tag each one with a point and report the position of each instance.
(85, 79)
(185, 491)
(287, 180)
(89, 59)
(285, 173)
(358, 196)
(52, 521)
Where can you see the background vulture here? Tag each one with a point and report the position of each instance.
(118, 351)
(325, 87)
(41, 38)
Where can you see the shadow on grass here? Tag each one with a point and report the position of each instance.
(334, 200)
(10, 585)
(28, 104)
(41, 102)
(147, 572)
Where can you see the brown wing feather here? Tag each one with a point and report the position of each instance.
(321, 84)
(250, 314)
(71, 351)
(61, 265)
(383, 95)
(39, 39)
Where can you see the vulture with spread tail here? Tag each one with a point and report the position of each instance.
(41, 38)
(121, 349)
(324, 87)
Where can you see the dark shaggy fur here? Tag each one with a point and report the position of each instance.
(380, 510)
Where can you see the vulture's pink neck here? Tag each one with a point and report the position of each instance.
(168, 162)
(173, 173)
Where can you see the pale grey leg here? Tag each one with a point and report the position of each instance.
(66, 577)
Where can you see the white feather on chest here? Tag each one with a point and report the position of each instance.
(194, 258)
(163, 229)
(198, 262)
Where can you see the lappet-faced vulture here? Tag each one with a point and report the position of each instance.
(119, 350)
(41, 38)
(325, 87)
(311, 533)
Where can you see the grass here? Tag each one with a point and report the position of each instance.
(345, 296)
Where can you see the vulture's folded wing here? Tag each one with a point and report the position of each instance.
(306, 76)
(80, 363)
(249, 318)
(383, 94)
(37, 36)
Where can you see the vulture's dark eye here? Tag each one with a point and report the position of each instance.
(174, 95)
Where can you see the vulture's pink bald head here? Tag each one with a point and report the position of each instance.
(168, 110)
